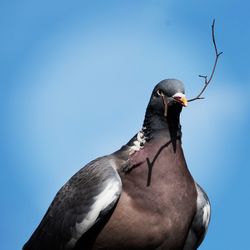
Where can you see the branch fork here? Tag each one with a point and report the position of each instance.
(207, 79)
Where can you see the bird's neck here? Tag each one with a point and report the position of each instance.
(157, 130)
(155, 123)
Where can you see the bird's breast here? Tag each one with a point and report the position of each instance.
(149, 213)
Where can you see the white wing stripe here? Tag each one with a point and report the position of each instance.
(110, 193)
(206, 215)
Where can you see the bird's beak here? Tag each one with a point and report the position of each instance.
(180, 98)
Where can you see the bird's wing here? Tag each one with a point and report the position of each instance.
(200, 221)
(83, 201)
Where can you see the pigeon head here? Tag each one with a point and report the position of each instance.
(167, 95)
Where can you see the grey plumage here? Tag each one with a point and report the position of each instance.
(71, 204)
(170, 86)
(140, 197)
(200, 221)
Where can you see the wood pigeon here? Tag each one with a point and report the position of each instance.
(139, 197)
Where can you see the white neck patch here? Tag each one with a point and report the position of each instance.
(139, 142)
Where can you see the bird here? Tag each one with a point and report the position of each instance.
(141, 196)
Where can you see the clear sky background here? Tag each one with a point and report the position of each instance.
(75, 79)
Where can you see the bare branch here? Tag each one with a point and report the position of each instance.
(205, 77)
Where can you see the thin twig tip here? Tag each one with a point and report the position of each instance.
(207, 79)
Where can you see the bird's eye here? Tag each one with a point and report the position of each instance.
(159, 92)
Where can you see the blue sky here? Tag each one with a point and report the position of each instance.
(75, 80)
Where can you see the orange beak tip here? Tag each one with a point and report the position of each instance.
(184, 101)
